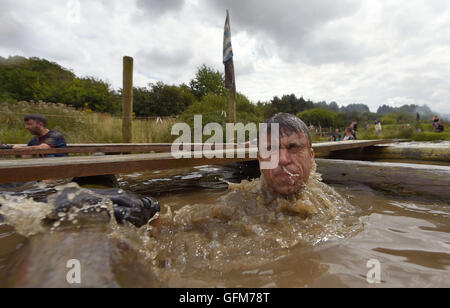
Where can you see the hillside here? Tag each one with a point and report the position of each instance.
(23, 79)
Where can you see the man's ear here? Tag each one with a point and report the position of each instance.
(312, 153)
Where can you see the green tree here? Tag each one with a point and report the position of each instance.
(265, 110)
(161, 100)
(316, 117)
(290, 104)
(39, 79)
(357, 108)
(214, 109)
(206, 81)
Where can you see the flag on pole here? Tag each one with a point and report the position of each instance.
(228, 54)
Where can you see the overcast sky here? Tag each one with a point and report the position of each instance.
(349, 51)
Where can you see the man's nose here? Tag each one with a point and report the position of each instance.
(284, 158)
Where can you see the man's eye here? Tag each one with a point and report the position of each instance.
(294, 148)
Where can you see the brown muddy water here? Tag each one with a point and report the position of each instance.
(216, 234)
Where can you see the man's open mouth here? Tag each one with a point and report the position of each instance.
(290, 173)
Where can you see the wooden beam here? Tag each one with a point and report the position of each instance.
(92, 148)
(68, 167)
(22, 170)
(324, 147)
(412, 179)
(411, 153)
(104, 148)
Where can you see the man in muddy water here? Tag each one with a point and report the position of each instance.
(296, 156)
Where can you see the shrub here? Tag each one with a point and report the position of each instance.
(316, 117)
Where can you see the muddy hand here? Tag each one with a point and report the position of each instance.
(5, 147)
(135, 209)
(87, 201)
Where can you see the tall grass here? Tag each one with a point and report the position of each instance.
(394, 131)
(77, 126)
(89, 127)
(405, 131)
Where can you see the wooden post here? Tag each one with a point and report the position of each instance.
(127, 99)
(232, 97)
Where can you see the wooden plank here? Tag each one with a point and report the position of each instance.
(391, 177)
(79, 149)
(323, 147)
(396, 152)
(68, 167)
(101, 148)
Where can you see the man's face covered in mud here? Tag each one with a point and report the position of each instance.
(294, 166)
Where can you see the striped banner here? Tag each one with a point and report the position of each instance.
(228, 54)
(227, 51)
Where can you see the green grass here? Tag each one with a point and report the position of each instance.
(89, 127)
(395, 131)
(77, 126)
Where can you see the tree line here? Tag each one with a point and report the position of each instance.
(25, 79)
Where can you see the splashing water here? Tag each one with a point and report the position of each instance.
(243, 229)
(24, 214)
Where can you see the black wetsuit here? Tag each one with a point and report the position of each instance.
(135, 209)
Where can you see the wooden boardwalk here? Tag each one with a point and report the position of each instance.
(22, 170)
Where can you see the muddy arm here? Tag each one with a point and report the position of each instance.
(135, 209)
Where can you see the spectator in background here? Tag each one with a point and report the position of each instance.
(435, 122)
(336, 136)
(354, 128)
(418, 125)
(377, 126)
(348, 134)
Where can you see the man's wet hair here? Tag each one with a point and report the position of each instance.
(38, 118)
(289, 122)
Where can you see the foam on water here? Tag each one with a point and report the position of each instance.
(244, 229)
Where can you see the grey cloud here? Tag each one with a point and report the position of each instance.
(18, 33)
(329, 51)
(158, 8)
(12, 31)
(162, 57)
(164, 62)
(292, 26)
(244, 68)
